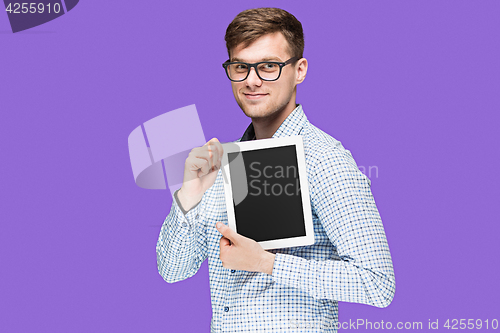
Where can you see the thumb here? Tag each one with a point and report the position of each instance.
(226, 231)
(224, 242)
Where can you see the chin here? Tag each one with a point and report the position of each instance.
(257, 112)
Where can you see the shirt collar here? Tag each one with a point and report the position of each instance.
(291, 126)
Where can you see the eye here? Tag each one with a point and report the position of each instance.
(241, 66)
(268, 67)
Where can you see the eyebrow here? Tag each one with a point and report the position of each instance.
(263, 59)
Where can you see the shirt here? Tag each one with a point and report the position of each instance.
(349, 261)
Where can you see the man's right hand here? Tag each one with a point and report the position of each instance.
(200, 171)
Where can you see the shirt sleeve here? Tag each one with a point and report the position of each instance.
(182, 244)
(342, 200)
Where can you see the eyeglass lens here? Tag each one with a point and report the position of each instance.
(266, 70)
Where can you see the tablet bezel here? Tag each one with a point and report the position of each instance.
(295, 141)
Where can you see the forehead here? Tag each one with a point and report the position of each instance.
(268, 47)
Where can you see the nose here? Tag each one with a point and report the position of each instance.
(253, 79)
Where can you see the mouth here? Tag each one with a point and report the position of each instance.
(254, 95)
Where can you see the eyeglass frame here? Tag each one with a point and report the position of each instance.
(254, 65)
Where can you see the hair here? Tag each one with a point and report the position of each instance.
(251, 24)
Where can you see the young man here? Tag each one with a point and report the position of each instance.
(292, 289)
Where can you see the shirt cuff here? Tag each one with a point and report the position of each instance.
(180, 206)
(186, 218)
(287, 269)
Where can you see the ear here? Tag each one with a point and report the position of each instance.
(301, 70)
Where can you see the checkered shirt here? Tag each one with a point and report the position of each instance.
(349, 261)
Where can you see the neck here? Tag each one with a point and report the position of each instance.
(266, 127)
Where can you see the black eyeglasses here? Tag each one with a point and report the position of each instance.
(266, 70)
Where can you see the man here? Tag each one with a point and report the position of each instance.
(284, 290)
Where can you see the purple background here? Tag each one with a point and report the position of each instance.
(412, 87)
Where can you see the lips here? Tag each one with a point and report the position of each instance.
(254, 95)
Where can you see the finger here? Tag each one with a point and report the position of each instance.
(220, 150)
(208, 152)
(217, 149)
(226, 232)
(224, 242)
(211, 141)
(213, 156)
(216, 143)
(206, 143)
(199, 165)
(203, 153)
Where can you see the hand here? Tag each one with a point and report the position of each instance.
(199, 172)
(242, 253)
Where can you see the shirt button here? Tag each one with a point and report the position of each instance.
(184, 224)
(232, 271)
(197, 216)
(226, 309)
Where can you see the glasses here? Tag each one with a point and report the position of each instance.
(265, 70)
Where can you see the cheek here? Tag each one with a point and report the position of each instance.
(285, 89)
(235, 88)
(287, 85)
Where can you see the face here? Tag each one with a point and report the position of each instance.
(267, 99)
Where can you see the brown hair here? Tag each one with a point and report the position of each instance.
(252, 24)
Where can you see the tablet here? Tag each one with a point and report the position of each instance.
(267, 193)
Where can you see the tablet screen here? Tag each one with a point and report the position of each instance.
(272, 208)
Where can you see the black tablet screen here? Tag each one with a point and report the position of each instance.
(272, 208)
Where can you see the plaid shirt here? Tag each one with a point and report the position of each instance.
(349, 261)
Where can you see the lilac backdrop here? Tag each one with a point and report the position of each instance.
(409, 87)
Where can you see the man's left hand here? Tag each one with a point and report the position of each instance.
(242, 253)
